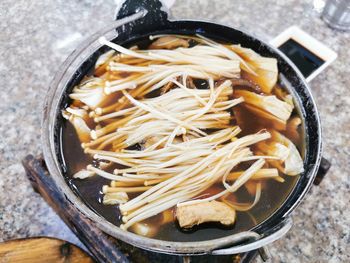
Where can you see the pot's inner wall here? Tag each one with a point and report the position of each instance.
(73, 159)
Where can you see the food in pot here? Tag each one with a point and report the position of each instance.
(210, 211)
(183, 124)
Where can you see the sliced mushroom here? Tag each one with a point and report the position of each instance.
(115, 198)
(292, 129)
(283, 95)
(102, 62)
(92, 92)
(82, 174)
(80, 126)
(265, 68)
(239, 83)
(275, 122)
(169, 42)
(270, 104)
(145, 230)
(290, 161)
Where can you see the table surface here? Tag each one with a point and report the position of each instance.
(36, 37)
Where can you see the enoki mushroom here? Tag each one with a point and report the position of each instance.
(188, 136)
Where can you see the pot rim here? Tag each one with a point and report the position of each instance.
(51, 108)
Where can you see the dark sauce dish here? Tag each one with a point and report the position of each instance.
(137, 20)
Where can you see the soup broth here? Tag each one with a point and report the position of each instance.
(273, 192)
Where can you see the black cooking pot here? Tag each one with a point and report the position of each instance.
(136, 20)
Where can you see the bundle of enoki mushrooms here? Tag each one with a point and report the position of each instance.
(188, 137)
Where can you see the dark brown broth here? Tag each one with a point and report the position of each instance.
(272, 197)
(273, 194)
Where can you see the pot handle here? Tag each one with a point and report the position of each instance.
(272, 235)
(325, 165)
(157, 10)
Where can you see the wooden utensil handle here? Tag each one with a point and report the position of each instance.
(41, 250)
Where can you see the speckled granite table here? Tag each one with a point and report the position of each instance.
(35, 38)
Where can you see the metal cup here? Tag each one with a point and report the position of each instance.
(336, 14)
